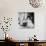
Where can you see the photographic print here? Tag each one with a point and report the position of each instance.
(26, 19)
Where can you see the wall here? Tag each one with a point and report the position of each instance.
(10, 8)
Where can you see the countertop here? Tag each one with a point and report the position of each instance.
(26, 41)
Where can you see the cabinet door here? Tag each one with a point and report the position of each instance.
(35, 44)
(44, 44)
(17, 44)
(25, 44)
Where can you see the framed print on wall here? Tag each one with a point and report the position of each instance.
(26, 20)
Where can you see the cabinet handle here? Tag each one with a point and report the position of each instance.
(21, 44)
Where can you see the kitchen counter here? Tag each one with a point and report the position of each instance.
(43, 41)
(38, 41)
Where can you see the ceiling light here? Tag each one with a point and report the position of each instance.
(36, 3)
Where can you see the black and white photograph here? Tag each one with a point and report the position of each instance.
(26, 19)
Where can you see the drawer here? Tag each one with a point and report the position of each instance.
(21, 44)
